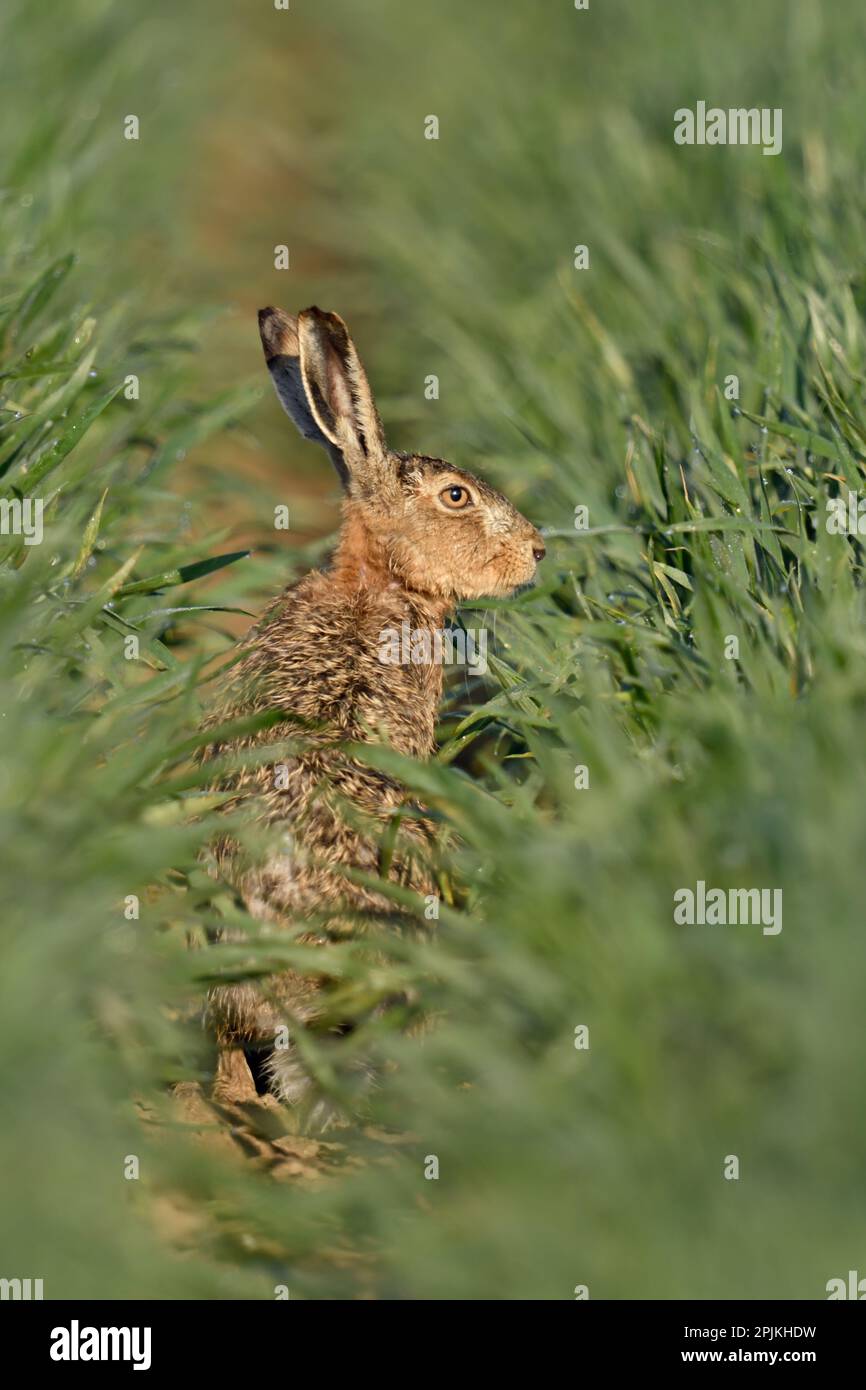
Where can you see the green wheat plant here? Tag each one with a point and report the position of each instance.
(679, 699)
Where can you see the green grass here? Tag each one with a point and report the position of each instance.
(600, 388)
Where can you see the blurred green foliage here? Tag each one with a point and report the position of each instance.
(600, 388)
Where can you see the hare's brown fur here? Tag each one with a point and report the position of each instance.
(407, 554)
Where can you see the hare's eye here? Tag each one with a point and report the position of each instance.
(455, 497)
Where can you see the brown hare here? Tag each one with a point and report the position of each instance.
(417, 536)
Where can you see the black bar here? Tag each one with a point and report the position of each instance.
(258, 1337)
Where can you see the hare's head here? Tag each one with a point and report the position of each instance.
(430, 526)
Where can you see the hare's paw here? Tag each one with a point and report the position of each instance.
(291, 1083)
(286, 1075)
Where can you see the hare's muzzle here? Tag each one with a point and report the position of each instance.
(539, 549)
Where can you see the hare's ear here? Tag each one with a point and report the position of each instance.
(339, 395)
(279, 333)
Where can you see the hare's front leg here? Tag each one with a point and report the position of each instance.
(233, 1081)
(236, 1016)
